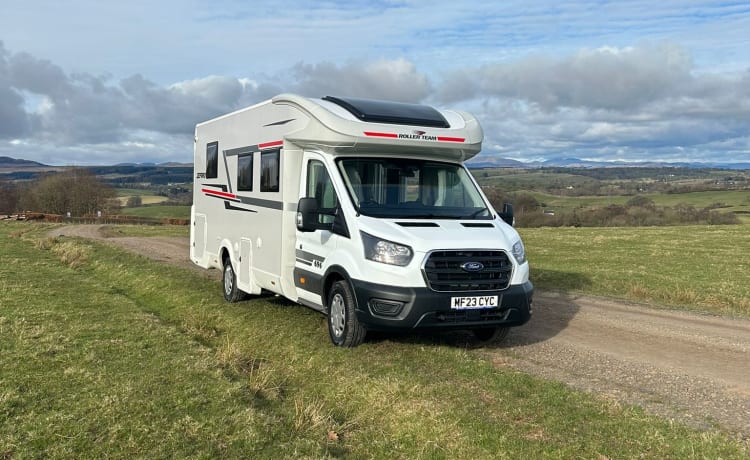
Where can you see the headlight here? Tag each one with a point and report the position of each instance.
(519, 252)
(385, 251)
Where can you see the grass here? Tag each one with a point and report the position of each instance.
(160, 211)
(127, 192)
(145, 199)
(121, 357)
(703, 268)
(733, 200)
(113, 231)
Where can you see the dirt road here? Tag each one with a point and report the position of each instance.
(691, 367)
(694, 368)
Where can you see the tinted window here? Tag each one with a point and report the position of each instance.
(398, 187)
(269, 171)
(245, 172)
(320, 187)
(212, 160)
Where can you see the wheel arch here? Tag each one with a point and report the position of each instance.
(333, 274)
(225, 253)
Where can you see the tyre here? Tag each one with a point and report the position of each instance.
(229, 283)
(491, 334)
(343, 325)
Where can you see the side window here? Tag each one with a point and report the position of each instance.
(212, 160)
(320, 187)
(245, 172)
(269, 171)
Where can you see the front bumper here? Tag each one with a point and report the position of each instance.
(381, 307)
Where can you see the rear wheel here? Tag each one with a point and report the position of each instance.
(491, 334)
(229, 282)
(343, 325)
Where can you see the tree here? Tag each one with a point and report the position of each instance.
(640, 201)
(134, 201)
(8, 197)
(76, 191)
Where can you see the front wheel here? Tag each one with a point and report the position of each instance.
(229, 281)
(491, 334)
(343, 325)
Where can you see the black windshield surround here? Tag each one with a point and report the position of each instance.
(402, 188)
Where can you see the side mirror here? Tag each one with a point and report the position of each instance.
(307, 215)
(507, 214)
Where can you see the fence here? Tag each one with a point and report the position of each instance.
(94, 219)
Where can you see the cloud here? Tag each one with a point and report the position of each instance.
(396, 80)
(14, 121)
(643, 101)
(86, 109)
(631, 102)
(603, 78)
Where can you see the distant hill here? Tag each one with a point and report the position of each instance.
(122, 175)
(8, 162)
(562, 162)
(498, 163)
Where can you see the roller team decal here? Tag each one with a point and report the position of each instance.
(415, 135)
(225, 193)
(220, 191)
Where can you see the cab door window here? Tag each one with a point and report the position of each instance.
(320, 187)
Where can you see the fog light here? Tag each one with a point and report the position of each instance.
(385, 307)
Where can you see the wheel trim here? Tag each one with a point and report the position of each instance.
(228, 280)
(337, 315)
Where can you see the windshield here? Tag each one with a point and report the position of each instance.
(402, 188)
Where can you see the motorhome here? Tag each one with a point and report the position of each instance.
(360, 209)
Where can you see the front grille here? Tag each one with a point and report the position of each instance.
(467, 316)
(444, 273)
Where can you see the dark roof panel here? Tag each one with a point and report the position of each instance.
(391, 112)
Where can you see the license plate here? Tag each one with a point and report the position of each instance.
(483, 301)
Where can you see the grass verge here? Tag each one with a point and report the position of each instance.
(159, 211)
(700, 268)
(114, 231)
(123, 357)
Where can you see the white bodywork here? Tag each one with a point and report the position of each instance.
(257, 229)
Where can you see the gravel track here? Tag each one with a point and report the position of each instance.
(691, 367)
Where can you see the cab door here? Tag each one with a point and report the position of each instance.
(313, 248)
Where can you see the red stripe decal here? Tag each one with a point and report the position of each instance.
(270, 144)
(372, 134)
(450, 139)
(208, 191)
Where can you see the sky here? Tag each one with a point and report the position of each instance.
(91, 82)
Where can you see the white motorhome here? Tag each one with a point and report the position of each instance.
(360, 209)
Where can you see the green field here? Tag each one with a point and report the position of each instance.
(698, 268)
(160, 211)
(126, 192)
(702, 268)
(145, 199)
(107, 354)
(563, 190)
(147, 196)
(731, 200)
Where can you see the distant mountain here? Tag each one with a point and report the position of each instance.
(498, 163)
(8, 162)
(169, 164)
(561, 162)
(148, 163)
(578, 163)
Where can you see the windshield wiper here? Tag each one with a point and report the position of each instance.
(474, 214)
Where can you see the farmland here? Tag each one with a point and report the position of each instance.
(259, 378)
